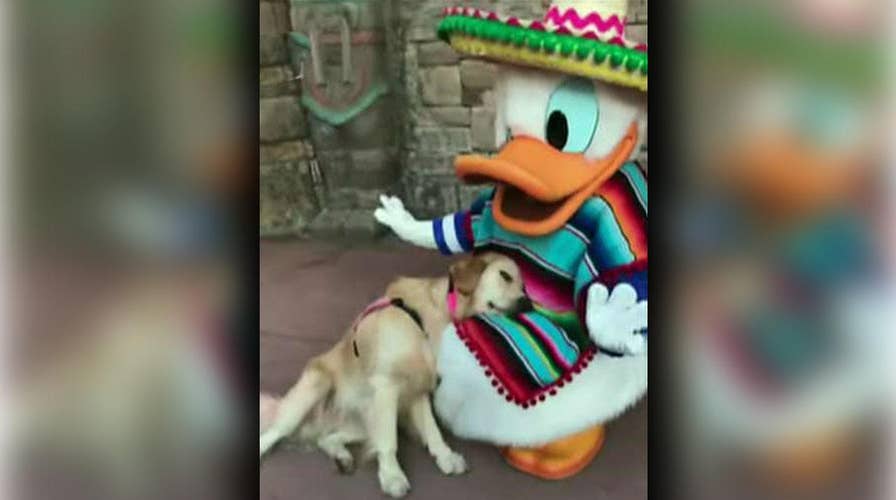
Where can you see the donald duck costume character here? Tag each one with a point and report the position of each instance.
(569, 205)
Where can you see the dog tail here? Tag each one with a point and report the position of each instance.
(268, 406)
(313, 386)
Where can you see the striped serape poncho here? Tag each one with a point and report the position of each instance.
(532, 355)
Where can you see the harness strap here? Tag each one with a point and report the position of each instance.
(399, 303)
(382, 303)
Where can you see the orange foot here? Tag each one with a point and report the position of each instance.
(559, 459)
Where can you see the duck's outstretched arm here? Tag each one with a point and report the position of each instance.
(392, 213)
(450, 234)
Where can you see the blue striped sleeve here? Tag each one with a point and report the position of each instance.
(453, 233)
(440, 236)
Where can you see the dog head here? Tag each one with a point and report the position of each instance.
(488, 283)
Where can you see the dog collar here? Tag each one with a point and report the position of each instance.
(451, 299)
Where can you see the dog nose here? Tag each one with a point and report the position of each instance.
(524, 304)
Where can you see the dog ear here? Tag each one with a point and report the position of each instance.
(465, 274)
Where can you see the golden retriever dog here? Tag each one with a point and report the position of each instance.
(382, 372)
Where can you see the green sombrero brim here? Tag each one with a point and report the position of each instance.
(563, 53)
(749, 37)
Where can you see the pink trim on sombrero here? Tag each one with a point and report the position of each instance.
(591, 22)
(610, 30)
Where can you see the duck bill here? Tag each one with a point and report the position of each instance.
(783, 174)
(538, 187)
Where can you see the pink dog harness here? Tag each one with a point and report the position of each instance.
(384, 302)
(376, 305)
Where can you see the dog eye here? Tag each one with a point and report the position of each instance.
(506, 276)
(491, 305)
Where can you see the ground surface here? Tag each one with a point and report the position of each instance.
(310, 292)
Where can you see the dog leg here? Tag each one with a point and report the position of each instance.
(424, 423)
(383, 431)
(333, 445)
(312, 387)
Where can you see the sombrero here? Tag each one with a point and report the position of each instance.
(817, 49)
(578, 37)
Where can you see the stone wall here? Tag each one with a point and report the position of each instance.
(443, 105)
(350, 90)
(287, 197)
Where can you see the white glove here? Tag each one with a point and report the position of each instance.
(392, 213)
(615, 319)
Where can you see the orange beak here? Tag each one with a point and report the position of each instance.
(790, 177)
(539, 187)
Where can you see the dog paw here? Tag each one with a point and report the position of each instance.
(266, 441)
(345, 462)
(394, 483)
(451, 463)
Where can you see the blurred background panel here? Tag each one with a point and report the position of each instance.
(133, 157)
(785, 344)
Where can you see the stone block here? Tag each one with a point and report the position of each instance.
(488, 99)
(283, 151)
(526, 9)
(309, 149)
(457, 116)
(287, 202)
(274, 74)
(364, 169)
(421, 33)
(436, 53)
(272, 50)
(411, 84)
(431, 196)
(440, 86)
(472, 97)
(333, 164)
(276, 81)
(637, 11)
(362, 224)
(418, 164)
(328, 223)
(281, 118)
(351, 198)
(346, 223)
(477, 74)
(482, 129)
(375, 127)
(273, 17)
(442, 139)
(637, 32)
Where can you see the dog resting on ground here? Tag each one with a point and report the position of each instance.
(382, 373)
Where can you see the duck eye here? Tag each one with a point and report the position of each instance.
(557, 131)
(506, 276)
(571, 118)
